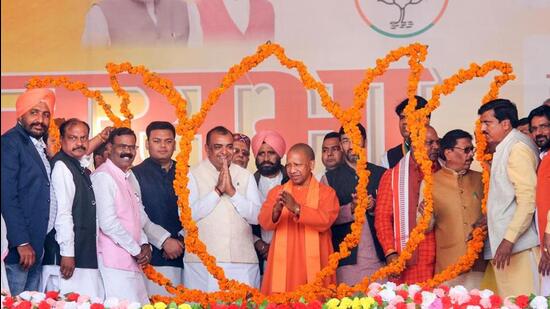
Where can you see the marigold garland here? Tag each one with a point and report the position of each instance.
(231, 290)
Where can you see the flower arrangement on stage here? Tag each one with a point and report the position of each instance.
(231, 290)
(376, 296)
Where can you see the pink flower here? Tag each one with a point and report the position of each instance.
(82, 299)
(485, 303)
(439, 292)
(474, 292)
(59, 304)
(436, 304)
(396, 300)
(459, 295)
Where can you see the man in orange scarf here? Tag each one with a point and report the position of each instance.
(301, 222)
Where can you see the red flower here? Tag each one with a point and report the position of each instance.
(314, 305)
(401, 306)
(522, 301)
(496, 301)
(474, 300)
(283, 306)
(52, 294)
(24, 305)
(403, 294)
(72, 296)
(378, 299)
(446, 302)
(8, 301)
(44, 305)
(233, 306)
(444, 288)
(271, 306)
(418, 298)
(299, 305)
(97, 306)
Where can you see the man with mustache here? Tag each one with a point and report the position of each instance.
(241, 149)
(268, 148)
(391, 157)
(123, 245)
(512, 242)
(395, 213)
(73, 241)
(368, 256)
(224, 201)
(300, 213)
(457, 196)
(539, 125)
(26, 188)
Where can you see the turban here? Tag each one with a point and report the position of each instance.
(31, 97)
(272, 138)
(242, 138)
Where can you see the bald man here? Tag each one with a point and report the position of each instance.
(300, 213)
(26, 189)
(394, 222)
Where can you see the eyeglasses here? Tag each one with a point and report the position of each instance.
(467, 150)
(245, 152)
(126, 147)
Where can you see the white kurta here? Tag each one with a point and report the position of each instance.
(122, 284)
(195, 275)
(265, 184)
(84, 280)
(3, 253)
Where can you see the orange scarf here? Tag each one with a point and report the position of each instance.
(313, 254)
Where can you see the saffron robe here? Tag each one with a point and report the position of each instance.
(319, 220)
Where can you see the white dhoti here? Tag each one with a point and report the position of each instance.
(49, 280)
(123, 284)
(197, 277)
(174, 274)
(545, 286)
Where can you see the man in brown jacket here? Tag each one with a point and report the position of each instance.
(457, 195)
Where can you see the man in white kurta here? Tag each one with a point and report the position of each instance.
(224, 200)
(123, 245)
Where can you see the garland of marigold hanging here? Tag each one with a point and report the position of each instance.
(231, 290)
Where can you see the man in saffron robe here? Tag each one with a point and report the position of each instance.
(395, 213)
(301, 242)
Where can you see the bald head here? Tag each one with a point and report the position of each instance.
(304, 149)
(300, 161)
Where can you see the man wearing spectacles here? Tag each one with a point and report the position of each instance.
(457, 196)
(539, 125)
(241, 150)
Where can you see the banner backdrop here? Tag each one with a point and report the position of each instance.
(193, 43)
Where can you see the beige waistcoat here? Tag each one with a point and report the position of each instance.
(227, 236)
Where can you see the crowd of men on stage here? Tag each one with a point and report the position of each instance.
(75, 231)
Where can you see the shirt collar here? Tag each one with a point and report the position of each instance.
(38, 142)
(117, 169)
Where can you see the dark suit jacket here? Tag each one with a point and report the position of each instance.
(25, 194)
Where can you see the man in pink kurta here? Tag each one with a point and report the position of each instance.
(301, 213)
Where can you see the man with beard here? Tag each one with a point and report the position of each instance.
(395, 212)
(539, 125)
(368, 256)
(224, 201)
(391, 157)
(457, 196)
(511, 245)
(123, 245)
(300, 213)
(26, 188)
(74, 246)
(155, 177)
(268, 147)
(241, 149)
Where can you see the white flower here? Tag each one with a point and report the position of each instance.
(389, 285)
(71, 305)
(459, 294)
(111, 302)
(26, 295)
(38, 297)
(413, 289)
(486, 293)
(427, 298)
(387, 294)
(84, 305)
(134, 305)
(539, 302)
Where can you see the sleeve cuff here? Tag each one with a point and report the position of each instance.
(511, 236)
(390, 251)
